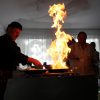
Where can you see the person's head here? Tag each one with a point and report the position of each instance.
(82, 36)
(93, 45)
(14, 29)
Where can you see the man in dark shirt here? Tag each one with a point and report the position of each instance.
(11, 56)
(95, 58)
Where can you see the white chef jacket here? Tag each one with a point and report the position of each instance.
(82, 59)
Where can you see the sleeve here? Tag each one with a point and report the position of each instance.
(71, 54)
(22, 58)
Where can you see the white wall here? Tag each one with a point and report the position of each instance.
(35, 42)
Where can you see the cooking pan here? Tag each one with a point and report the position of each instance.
(50, 70)
(57, 70)
(36, 71)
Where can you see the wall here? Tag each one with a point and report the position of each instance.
(35, 42)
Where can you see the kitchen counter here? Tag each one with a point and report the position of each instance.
(52, 88)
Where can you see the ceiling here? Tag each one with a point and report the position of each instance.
(34, 13)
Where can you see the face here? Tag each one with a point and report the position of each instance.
(82, 38)
(14, 33)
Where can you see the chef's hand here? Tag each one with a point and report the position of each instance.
(35, 62)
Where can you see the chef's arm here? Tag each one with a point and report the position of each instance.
(24, 59)
(73, 57)
(34, 61)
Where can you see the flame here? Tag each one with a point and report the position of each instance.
(59, 49)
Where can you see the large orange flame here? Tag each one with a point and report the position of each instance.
(59, 49)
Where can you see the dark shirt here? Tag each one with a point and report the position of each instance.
(10, 54)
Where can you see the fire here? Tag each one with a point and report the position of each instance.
(59, 49)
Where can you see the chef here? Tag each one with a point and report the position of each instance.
(81, 56)
(11, 55)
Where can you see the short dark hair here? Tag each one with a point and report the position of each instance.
(15, 24)
(93, 44)
(82, 32)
